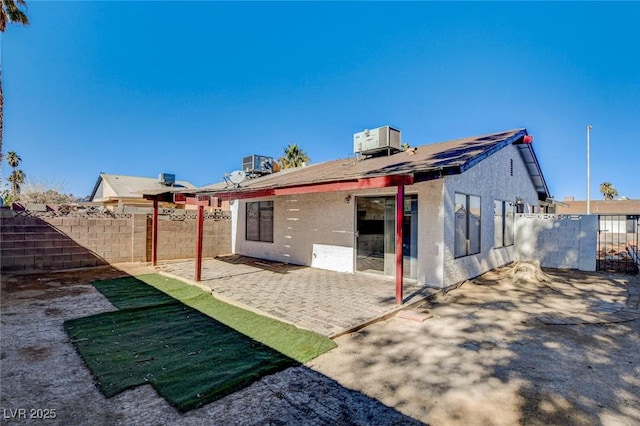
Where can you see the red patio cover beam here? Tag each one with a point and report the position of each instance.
(399, 240)
(349, 185)
(240, 195)
(199, 230)
(362, 183)
(154, 233)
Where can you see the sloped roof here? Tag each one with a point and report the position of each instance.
(135, 186)
(431, 161)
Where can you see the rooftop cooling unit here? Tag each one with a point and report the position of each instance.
(257, 165)
(167, 179)
(374, 141)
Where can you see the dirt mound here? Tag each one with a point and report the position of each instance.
(519, 273)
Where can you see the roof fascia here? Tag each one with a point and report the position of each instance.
(495, 148)
(96, 186)
(516, 139)
(353, 185)
(240, 195)
(544, 194)
(333, 186)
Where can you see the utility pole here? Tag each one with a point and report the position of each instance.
(589, 127)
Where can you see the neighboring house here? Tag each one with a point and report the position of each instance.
(460, 199)
(618, 230)
(615, 216)
(127, 191)
(623, 206)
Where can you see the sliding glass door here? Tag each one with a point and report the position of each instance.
(376, 235)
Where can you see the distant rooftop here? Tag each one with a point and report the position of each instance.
(621, 206)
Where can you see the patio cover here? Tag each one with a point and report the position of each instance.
(419, 164)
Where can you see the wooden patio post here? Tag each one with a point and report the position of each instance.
(399, 240)
(199, 227)
(154, 233)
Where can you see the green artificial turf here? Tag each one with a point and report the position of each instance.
(191, 347)
(299, 344)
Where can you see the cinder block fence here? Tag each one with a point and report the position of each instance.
(53, 240)
(558, 241)
(32, 241)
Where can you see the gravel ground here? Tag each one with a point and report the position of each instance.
(484, 357)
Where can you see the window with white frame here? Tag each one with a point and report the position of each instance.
(503, 223)
(467, 225)
(259, 221)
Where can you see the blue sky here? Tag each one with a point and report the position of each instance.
(139, 88)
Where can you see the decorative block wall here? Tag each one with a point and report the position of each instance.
(40, 241)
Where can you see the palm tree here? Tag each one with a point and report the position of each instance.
(17, 176)
(13, 159)
(9, 13)
(293, 157)
(608, 191)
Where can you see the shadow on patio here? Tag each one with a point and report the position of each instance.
(326, 302)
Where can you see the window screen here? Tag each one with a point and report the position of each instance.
(259, 221)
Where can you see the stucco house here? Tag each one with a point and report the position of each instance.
(127, 191)
(456, 214)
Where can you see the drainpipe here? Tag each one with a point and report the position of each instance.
(589, 127)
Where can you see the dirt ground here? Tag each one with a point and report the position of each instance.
(485, 357)
(508, 348)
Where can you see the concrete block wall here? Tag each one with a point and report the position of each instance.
(557, 241)
(141, 234)
(107, 238)
(177, 238)
(32, 243)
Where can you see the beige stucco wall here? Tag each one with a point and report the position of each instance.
(300, 221)
(430, 235)
(490, 179)
(318, 229)
(104, 192)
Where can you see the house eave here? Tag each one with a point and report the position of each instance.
(535, 172)
(330, 186)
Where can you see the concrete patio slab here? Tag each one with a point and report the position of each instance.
(327, 302)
